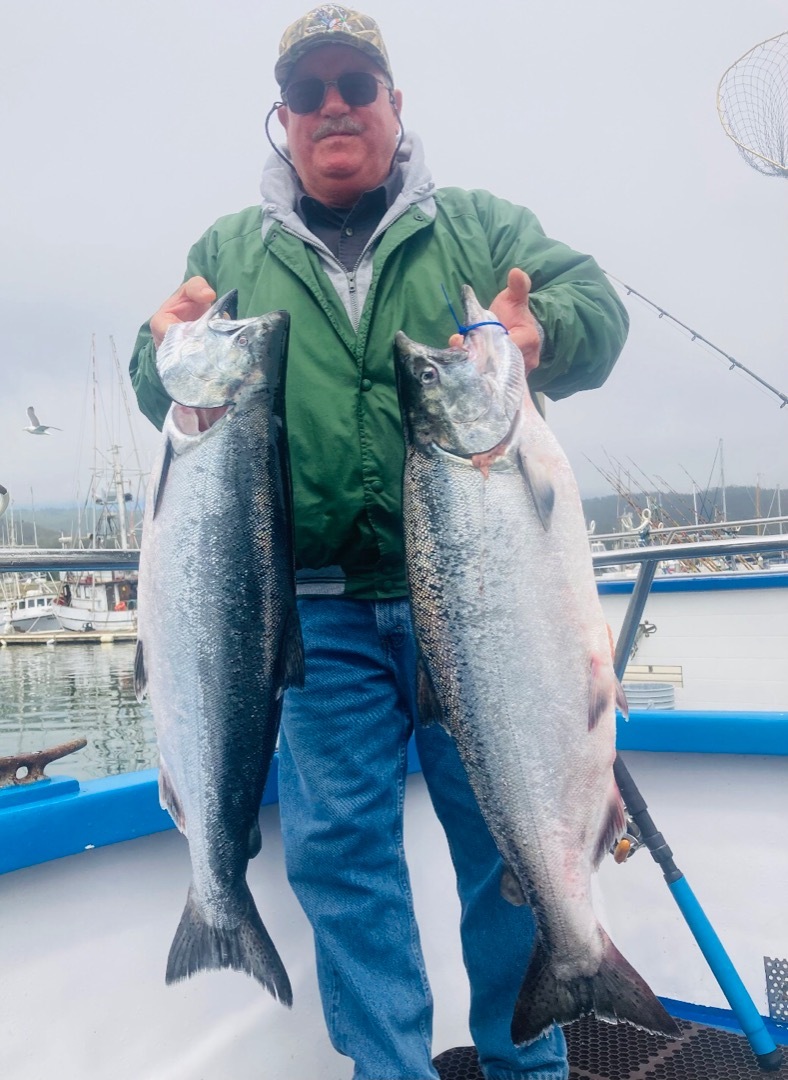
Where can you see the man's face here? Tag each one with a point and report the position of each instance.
(339, 150)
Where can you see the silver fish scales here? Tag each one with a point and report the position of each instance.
(219, 637)
(515, 657)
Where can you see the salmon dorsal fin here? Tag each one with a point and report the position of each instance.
(539, 484)
(140, 674)
(613, 826)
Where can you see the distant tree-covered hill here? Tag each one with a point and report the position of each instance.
(50, 523)
(679, 508)
(742, 503)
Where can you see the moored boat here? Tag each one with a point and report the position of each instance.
(101, 602)
(27, 604)
(111, 519)
(34, 611)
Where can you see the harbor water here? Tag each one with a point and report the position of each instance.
(54, 694)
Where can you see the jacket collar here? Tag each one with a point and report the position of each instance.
(281, 191)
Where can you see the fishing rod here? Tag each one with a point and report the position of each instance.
(695, 336)
(768, 1055)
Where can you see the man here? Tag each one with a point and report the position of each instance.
(354, 240)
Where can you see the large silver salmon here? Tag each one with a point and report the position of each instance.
(219, 637)
(515, 657)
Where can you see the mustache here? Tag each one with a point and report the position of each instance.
(338, 125)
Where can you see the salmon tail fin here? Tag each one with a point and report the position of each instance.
(198, 946)
(619, 993)
(615, 993)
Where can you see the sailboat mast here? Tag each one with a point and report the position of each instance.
(33, 512)
(722, 482)
(95, 436)
(117, 474)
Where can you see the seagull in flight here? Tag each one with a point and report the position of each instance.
(36, 427)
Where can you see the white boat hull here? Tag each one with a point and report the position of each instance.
(47, 620)
(730, 645)
(86, 618)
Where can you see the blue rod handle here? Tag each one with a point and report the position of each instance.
(725, 973)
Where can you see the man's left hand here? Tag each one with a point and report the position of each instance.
(511, 308)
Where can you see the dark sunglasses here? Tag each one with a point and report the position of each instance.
(356, 87)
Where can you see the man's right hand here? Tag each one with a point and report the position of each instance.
(191, 301)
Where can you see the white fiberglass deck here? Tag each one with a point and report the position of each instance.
(84, 939)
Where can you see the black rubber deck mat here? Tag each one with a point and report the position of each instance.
(599, 1051)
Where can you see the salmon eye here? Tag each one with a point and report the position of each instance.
(428, 376)
(242, 340)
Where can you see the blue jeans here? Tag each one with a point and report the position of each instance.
(342, 769)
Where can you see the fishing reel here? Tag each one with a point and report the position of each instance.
(629, 843)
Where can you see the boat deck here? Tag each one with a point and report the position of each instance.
(599, 1051)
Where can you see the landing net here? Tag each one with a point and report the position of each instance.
(752, 101)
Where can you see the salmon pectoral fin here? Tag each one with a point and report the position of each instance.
(290, 662)
(199, 946)
(161, 483)
(604, 689)
(599, 696)
(140, 674)
(540, 485)
(615, 993)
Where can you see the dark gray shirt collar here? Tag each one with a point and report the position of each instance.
(346, 230)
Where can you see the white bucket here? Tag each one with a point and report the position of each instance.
(654, 695)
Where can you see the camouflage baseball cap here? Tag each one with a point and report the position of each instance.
(330, 24)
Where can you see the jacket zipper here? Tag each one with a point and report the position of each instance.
(350, 276)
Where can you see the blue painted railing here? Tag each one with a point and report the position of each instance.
(61, 816)
(717, 582)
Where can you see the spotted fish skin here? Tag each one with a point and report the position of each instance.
(515, 657)
(218, 631)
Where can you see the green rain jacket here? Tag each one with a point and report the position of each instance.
(343, 420)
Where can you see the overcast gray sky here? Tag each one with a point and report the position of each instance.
(128, 128)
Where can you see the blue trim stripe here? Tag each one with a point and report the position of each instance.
(718, 582)
(724, 1019)
(692, 732)
(61, 816)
